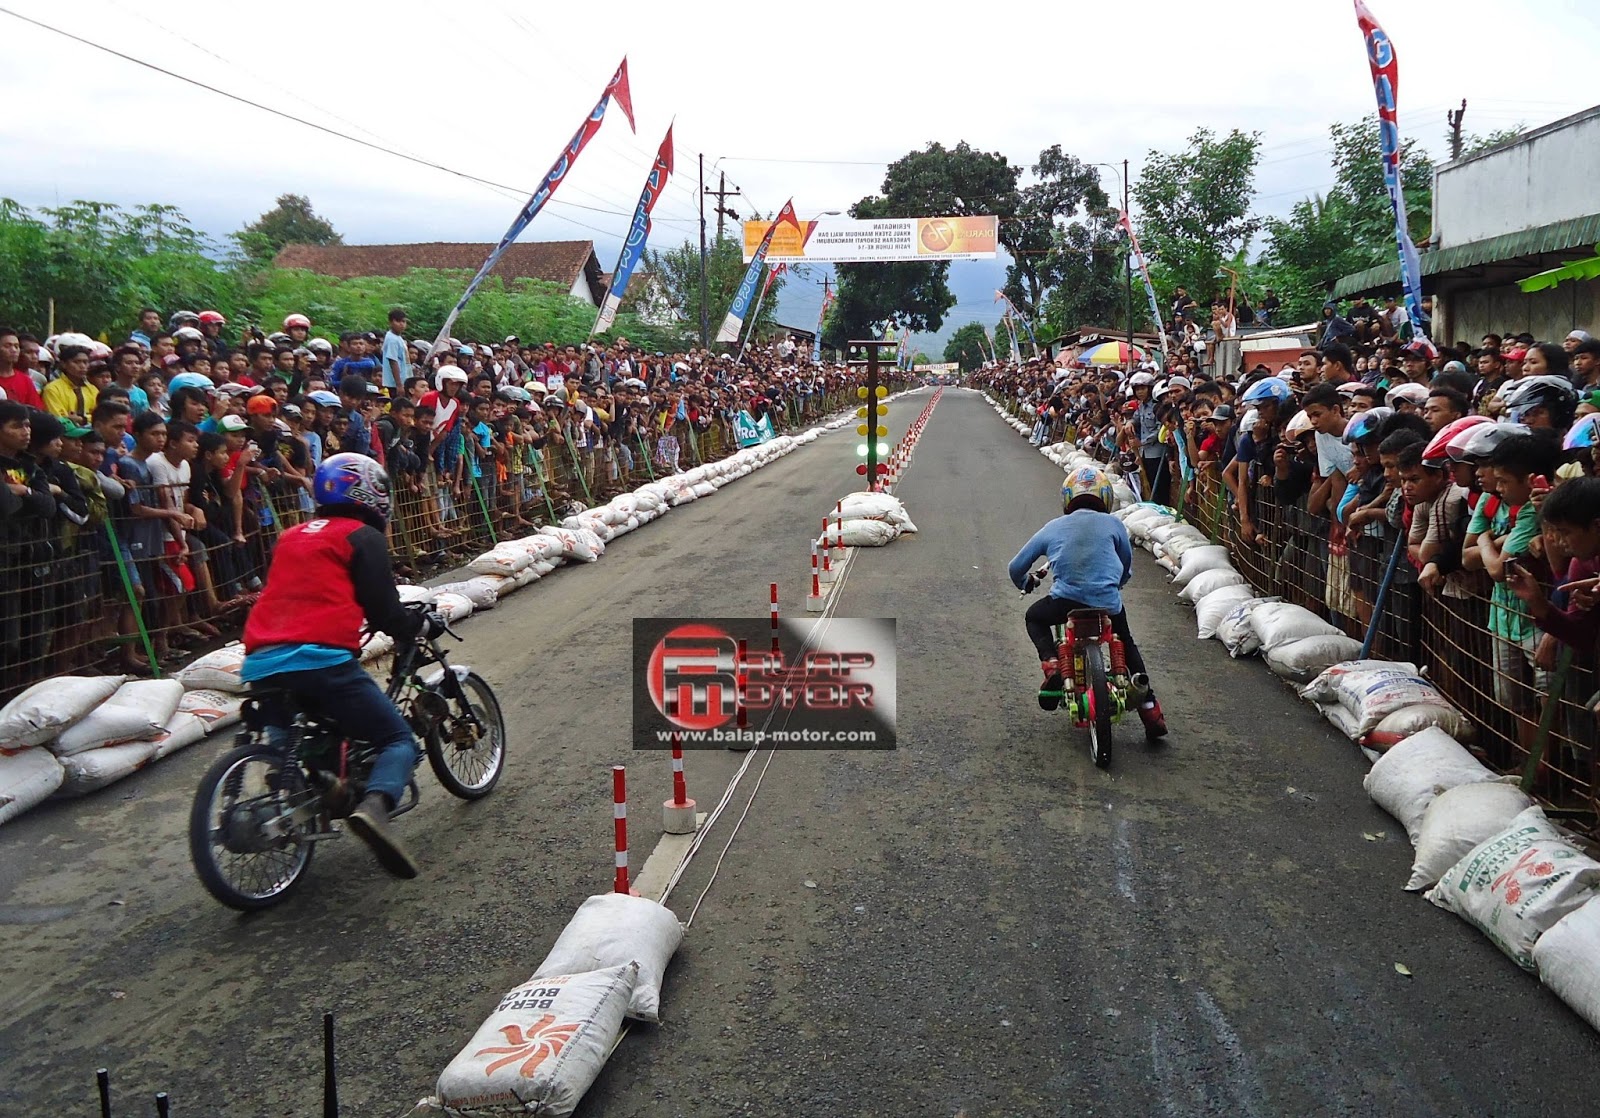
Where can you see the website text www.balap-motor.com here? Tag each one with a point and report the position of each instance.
(688, 739)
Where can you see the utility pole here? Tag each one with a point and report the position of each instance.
(1453, 119)
(705, 322)
(722, 194)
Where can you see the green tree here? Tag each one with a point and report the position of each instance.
(1063, 186)
(291, 221)
(1359, 189)
(1090, 272)
(678, 271)
(1474, 144)
(1307, 251)
(1195, 207)
(934, 181)
(967, 346)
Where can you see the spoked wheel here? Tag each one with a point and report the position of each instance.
(467, 761)
(1100, 712)
(245, 843)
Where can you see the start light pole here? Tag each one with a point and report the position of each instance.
(873, 411)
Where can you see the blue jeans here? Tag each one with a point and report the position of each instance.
(354, 702)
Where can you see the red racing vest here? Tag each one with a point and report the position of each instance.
(310, 597)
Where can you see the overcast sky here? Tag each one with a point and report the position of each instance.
(782, 98)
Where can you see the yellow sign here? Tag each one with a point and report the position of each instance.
(844, 240)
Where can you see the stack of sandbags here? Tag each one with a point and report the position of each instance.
(118, 737)
(29, 772)
(1379, 703)
(546, 1041)
(867, 519)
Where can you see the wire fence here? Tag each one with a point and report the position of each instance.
(1531, 707)
(134, 589)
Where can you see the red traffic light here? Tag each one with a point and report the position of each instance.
(882, 468)
(862, 469)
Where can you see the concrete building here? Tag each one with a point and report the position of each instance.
(1527, 205)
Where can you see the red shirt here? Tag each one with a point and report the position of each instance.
(310, 597)
(19, 386)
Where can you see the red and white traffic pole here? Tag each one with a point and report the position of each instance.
(619, 812)
(774, 597)
(814, 600)
(678, 814)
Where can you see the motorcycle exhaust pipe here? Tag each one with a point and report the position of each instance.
(1139, 684)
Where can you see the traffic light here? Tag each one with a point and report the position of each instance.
(862, 469)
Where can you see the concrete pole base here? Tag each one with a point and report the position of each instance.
(679, 819)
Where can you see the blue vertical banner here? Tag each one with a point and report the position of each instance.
(1385, 67)
(655, 184)
(734, 323)
(617, 87)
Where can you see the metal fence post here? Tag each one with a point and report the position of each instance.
(133, 600)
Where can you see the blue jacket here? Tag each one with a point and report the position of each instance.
(1089, 555)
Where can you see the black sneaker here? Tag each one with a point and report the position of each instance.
(370, 823)
(1052, 691)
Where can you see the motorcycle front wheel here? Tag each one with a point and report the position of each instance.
(467, 761)
(247, 848)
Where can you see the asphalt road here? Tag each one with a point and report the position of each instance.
(996, 927)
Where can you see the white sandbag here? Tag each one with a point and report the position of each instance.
(1517, 885)
(375, 646)
(483, 592)
(410, 595)
(542, 1046)
(1197, 560)
(93, 770)
(216, 709)
(1565, 959)
(704, 489)
(1459, 819)
(1370, 691)
(215, 671)
(1236, 632)
(543, 547)
(50, 706)
(1411, 719)
(576, 544)
(1303, 660)
(866, 533)
(1215, 606)
(1171, 533)
(1279, 623)
(1405, 780)
(624, 505)
(502, 560)
(137, 711)
(523, 577)
(610, 929)
(28, 777)
(1140, 529)
(647, 499)
(454, 607)
(1205, 582)
(180, 732)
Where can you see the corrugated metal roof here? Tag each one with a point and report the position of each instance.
(1560, 236)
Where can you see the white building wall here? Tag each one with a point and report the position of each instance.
(1549, 174)
(582, 290)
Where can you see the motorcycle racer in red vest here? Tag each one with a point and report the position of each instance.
(303, 638)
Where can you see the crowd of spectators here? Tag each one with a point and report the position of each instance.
(147, 478)
(1475, 467)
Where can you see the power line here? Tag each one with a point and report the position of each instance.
(420, 161)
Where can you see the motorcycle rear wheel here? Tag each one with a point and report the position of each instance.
(239, 860)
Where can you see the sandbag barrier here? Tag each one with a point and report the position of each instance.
(1481, 847)
(71, 735)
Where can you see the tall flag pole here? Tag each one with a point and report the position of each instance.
(1144, 270)
(747, 286)
(655, 184)
(617, 87)
(772, 274)
(1385, 66)
(1020, 317)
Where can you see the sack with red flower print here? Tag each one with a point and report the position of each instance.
(542, 1046)
(1517, 885)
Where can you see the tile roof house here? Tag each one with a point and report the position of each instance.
(572, 264)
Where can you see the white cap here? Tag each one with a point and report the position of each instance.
(1579, 336)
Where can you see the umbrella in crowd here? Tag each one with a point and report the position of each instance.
(1111, 353)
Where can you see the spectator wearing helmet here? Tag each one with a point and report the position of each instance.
(298, 327)
(211, 324)
(328, 577)
(1091, 560)
(1542, 401)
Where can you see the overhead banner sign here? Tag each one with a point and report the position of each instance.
(844, 240)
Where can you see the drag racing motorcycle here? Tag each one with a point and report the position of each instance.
(262, 809)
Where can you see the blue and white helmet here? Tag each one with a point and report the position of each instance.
(1269, 388)
(353, 480)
